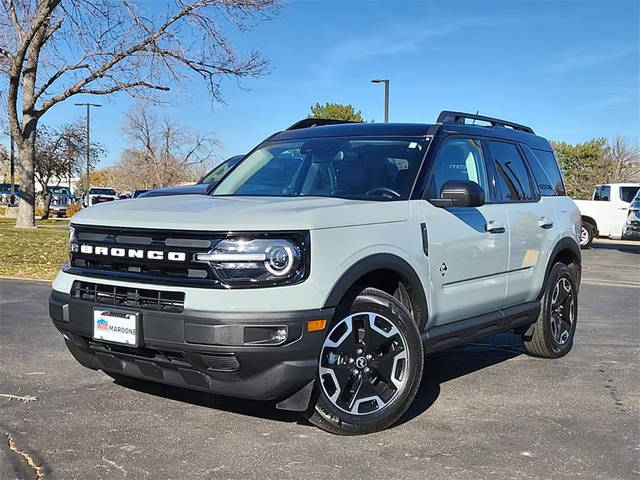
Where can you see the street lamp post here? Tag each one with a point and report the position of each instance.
(386, 96)
(88, 106)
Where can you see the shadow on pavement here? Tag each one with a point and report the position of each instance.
(438, 368)
(458, 362)
(626, 247)
(266, 410)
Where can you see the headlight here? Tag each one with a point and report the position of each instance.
(73, 241)
(258, 262)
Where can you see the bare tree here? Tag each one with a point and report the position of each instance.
(4, 163)
(60, 153)
(51, 50)
(622, 162)
(161, 152)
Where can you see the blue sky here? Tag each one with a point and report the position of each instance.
(569, 69)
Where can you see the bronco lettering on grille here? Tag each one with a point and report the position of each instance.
(133, 253)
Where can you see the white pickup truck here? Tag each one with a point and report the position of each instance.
(606, 213)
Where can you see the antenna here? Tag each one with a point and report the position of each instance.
(474, 120)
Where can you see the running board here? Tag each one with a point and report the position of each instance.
(445, 336)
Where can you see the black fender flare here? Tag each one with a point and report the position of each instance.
(383, 261)
(566, 243)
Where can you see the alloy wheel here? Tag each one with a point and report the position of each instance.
(562, 311)
(584, 236)
(363, 363)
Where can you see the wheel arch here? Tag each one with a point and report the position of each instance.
(592, 222)
(568, 252)
(386, 272)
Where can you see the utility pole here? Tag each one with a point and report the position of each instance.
(88, 106)
(386, 96)
(12, 192)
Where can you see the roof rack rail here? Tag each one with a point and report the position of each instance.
(317, 122)
(459, 117)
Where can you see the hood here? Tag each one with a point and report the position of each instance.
(198, 188)
(203, 212)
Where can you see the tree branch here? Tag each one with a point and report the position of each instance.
(14, 18)
(123, 86)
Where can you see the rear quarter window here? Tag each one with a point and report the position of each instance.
(627, 194)
(546, 172)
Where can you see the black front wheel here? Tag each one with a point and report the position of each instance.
(370, 366)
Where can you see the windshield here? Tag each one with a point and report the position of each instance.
(220, 171)
(101, 191)
(59, 190)
(357, 168)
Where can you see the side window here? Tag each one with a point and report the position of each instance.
(545, 165)
(602, 193)
(511, 173)
(459, 159)
(627, 194)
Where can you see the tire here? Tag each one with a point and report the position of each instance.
(586, 235)
(551, 336)
(370, 366)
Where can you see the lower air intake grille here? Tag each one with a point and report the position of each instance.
(128, 297)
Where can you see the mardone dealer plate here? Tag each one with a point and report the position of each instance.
(115, 326)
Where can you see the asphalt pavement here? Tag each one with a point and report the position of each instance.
(484, 410)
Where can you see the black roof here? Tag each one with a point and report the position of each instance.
(413, 129)
(355, 129)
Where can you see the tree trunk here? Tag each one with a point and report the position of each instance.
(47, 206)
(26, 162)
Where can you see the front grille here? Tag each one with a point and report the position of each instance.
(165, 271)
(144, 299)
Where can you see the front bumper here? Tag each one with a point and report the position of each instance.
(632, 230)
(184, 350)
(58, 208)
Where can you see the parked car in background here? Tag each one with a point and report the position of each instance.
(137, 193)
(61, 198)
(204, 184)
(97, 195)
(5, 192)
(632, 225)
(606, 213)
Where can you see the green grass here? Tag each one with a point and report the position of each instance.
(36, 253)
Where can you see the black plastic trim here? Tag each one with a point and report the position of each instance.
(447, 116)
(378, 262)
(565, 243)
(445, 336)
(317, 122)
(165, 354)
(425, 238)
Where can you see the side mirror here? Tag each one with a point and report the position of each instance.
(460, 193)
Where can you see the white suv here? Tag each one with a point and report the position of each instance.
(325, 264)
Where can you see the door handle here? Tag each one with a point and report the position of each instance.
(545, 223)
(493, 227)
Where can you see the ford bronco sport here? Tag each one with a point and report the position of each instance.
(325, 265)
